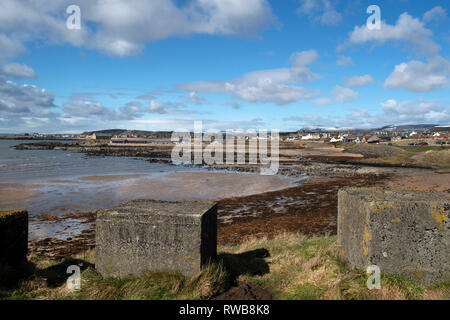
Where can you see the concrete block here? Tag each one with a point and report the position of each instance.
(13, 237)
(147, 235)
(403, 232)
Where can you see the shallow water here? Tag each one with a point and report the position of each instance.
(60, 182)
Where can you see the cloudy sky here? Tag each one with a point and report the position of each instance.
(161, 64)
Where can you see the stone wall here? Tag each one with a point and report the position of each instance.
(146, 235)
(403, 232)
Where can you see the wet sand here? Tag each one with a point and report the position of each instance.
(202, 186)
(58, 197)
(11, 193)
(108, 178)
(92, 192)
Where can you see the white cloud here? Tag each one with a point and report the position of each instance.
(10, 48)
(435, 14)
(18, 99)
(196, 99)
(16, 70)
(416, 111)
(117, 47)
(167, 108)
(417, 76)
(407, 29)
(268, 91)
(344, 61)
(401, 112)
(84, 106)
(132, 110)
(123, 27)
(304, 58)
(29, 20)
(359, 81)
(322, 101)
(23, 105)
(358, 114)
(392, 112)
(343, 95)
(274, 85)
(321, 11)
(79, 107)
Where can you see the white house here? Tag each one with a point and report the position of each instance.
(337, 139)
(310, 136)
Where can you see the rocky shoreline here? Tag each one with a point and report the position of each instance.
(103, 150)
(290, 165)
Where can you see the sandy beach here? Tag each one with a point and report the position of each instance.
(11, 193)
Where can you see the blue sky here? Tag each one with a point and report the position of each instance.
(161, 64)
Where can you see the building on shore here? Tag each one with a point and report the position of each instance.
(101, 136)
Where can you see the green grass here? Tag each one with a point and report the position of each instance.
(423, 148)
(291, 267)
(432, 156)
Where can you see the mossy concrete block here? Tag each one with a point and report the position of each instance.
(406, 233)
(146, 235)
(13, 237)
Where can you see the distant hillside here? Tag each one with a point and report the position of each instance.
(438, 129)
(393, 128)
(108, 131)
(409, 127)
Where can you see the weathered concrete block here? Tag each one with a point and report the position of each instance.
(13, 237)
(146, 235)
(403, 232)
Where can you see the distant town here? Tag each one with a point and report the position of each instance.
(414, 134)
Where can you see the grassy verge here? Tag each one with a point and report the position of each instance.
(399, 160)
(416, 149)
(291, 267)
(423, 156)
(439, 158)
(309, 268)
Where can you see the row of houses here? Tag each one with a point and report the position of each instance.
(363, 138)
